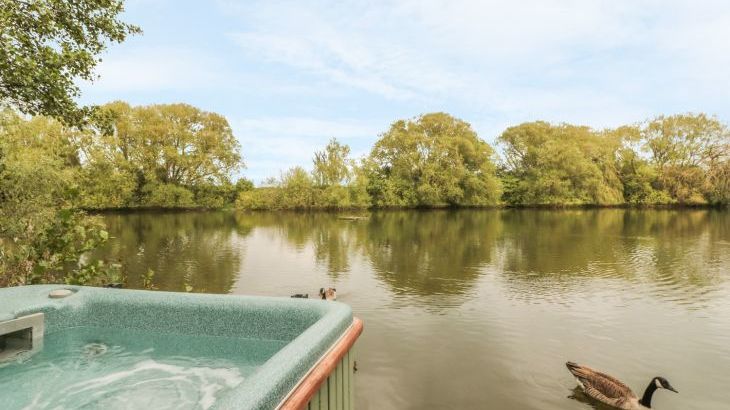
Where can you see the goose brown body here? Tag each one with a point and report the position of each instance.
(605, 388)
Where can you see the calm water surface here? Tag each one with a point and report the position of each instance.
(478, 308)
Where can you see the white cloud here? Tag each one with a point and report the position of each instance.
(273, 144)
(304, 127)
(340, 48)
(156, 69)
(595, 60)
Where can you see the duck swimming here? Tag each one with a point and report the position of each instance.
(611, 391)
(328, 294)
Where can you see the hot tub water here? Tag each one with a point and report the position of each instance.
(113, 369)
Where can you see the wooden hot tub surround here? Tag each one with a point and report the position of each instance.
(330, 383)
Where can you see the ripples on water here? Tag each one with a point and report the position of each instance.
(478, 308)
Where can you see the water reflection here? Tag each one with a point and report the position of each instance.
(422, 253)
(683, 254)
(431, 253)
(579, 395)
(199, 252)
(333, 239)
(537, 253)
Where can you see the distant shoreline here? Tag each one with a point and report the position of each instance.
(148, 209)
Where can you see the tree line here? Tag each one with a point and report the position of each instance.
(436, 160)
(165, 155)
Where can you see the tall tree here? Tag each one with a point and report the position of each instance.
(685, 149)
(296, 186)
(186, 145)
(434, 159)
(332, 166)
(45, 45)
(561, 165)
(686, 140)
(159, 146)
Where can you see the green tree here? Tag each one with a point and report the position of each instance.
(358, 188)
(177, 143)
(432, 160)
(103, 186)
(339, 183)
(686, 140)
(42, 234)
(335, 183)
(243, 184)
(156, 147)
(46, 45)
(561, 165)
(161, 195)
(297, 188)
(718, 184)
(685, 149)
(189, 146)
(259, 199)
(332, 165)
(640, 180)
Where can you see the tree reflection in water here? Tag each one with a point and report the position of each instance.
(536, 253)
(196, 252)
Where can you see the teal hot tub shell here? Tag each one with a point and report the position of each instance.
(292, 334)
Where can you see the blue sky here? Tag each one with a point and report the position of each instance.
(291, 75)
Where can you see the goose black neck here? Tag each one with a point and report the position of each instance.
(650, 389)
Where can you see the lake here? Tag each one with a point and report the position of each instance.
(477, 308)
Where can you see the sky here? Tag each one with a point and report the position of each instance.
(290, 75)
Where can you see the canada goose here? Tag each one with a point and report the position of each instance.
(328, 294)
(608, 390)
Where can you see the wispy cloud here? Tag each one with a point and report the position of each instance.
(538, 57)
(291, 74)
(339, 47)
(305, 127)
(157, 69)
(273, 144)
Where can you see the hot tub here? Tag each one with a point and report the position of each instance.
(81, 347)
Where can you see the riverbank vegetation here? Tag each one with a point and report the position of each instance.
(46, 47)
(437, 160)
(123, 157)
(178, 156)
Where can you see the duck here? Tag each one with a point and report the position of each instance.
(328, 294)
(611, 391)
(300, 296)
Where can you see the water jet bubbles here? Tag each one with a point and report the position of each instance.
(94, 350)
